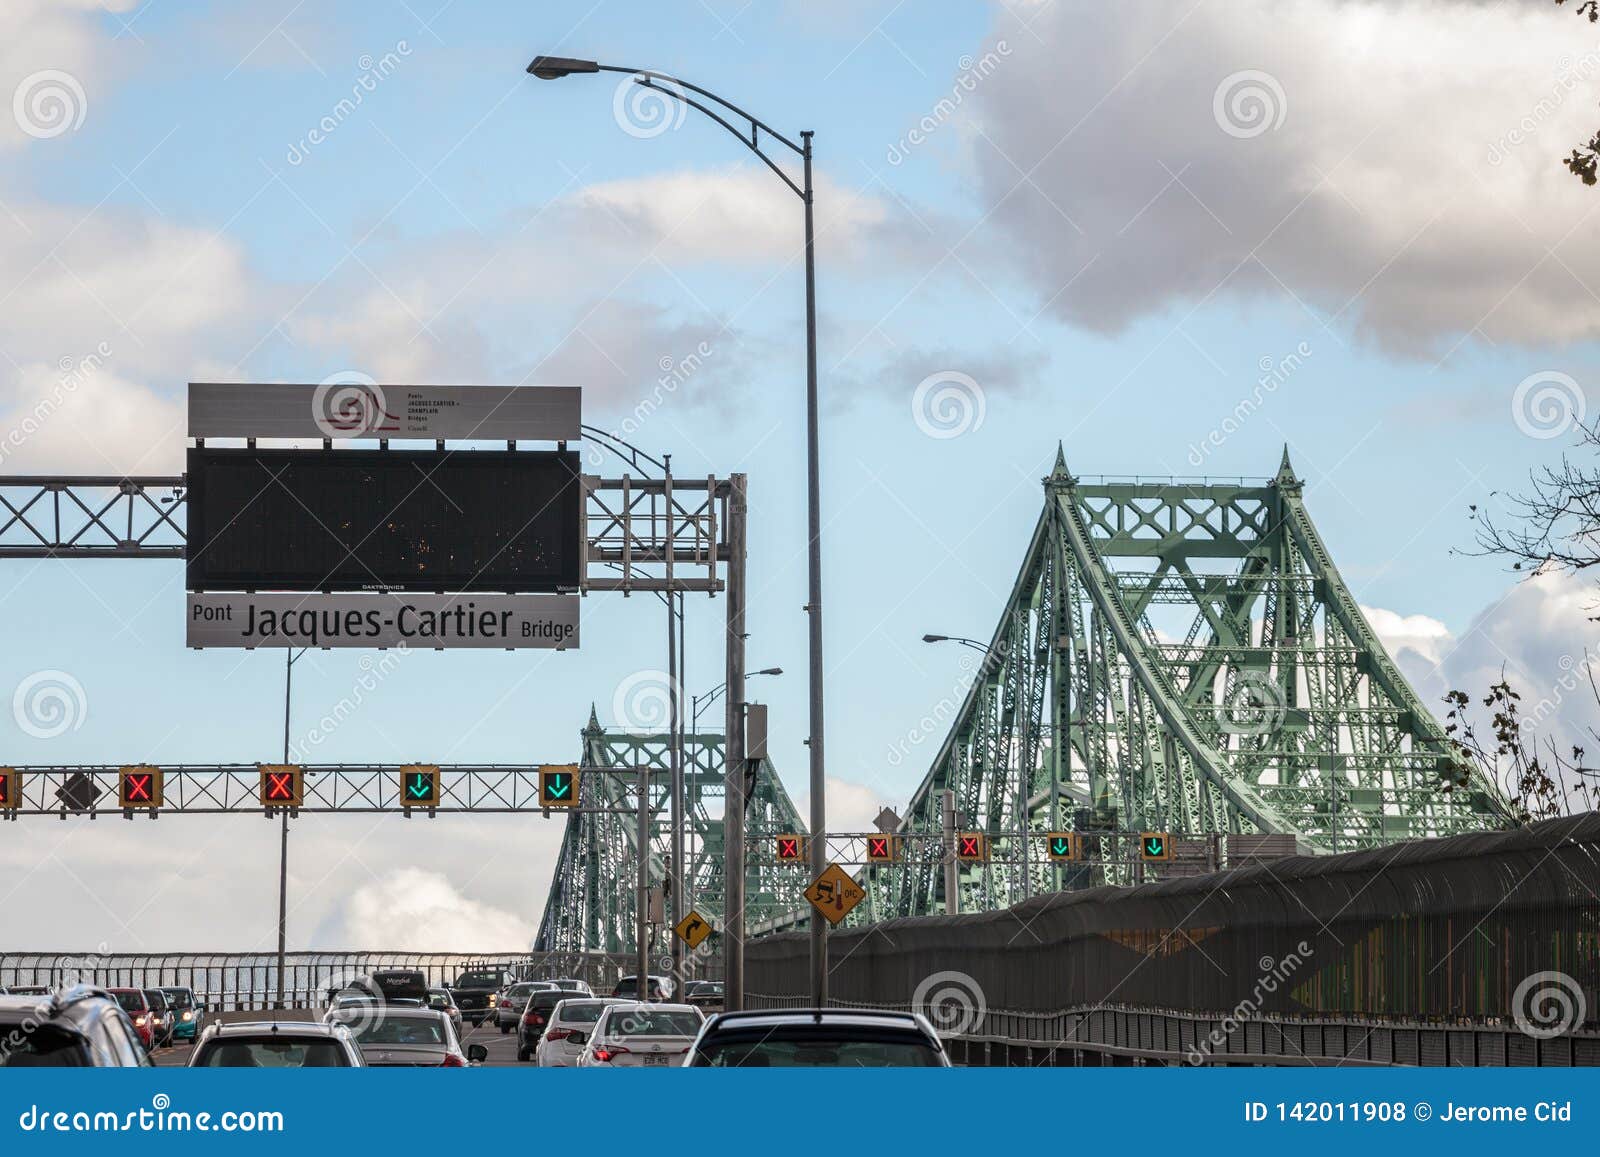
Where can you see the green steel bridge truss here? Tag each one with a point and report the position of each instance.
(593, 901)
(1181, 657)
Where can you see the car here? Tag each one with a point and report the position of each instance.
(535, 1018)
(29, 990)
(161, 1017)
(440, 1000)
(509, 1005)
(412, 1038)
(475, 991)
(567, 1029)
(657, 988)
(572, 984)
(630, 1034)
(188, 1012)
(818, 1038)
(81, 1026)
(272, 1044)
(137, 1006)
(706, 995)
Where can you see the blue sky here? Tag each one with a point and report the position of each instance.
(1078, 233)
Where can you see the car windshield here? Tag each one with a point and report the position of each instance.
(519, 991)
(773, 1051)
(131, 1001)
(273, 1052)
(156, 998)
(481, 979)
(179, 997)
(402, 1030)
(581, 1011)
(570, 985)
(44, 1046)
(438, 999)
(651, 1022)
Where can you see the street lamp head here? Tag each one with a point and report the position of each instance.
(935, 638)
(555, 67)
(770, 671)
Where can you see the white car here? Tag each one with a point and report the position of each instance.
(634, 1035)
(571, 1022)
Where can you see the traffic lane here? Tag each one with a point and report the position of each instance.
(502, 1046)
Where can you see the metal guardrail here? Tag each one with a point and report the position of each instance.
(1125, 1035)
(248, 981)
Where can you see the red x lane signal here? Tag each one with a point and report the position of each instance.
(972, 847)
(882, 849)
(282, 785)
(791, 849)
(139, 787)
(10, 789)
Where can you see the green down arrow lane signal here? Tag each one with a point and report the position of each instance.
(1156, 846)
(419, 785)
(1062, 846)
(558, 785)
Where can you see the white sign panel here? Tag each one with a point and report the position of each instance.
(365, 409)
(420, 621)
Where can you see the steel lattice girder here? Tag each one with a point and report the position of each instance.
(592, 904)
(1273, 708)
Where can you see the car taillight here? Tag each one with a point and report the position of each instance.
(558, 1034)
(451, 1061)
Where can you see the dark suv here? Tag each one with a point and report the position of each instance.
(535, 1019)
(78, 1027)
(475, 990)
(818, 1038)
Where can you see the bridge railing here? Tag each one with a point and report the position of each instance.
(248, 981)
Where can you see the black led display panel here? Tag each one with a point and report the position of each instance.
(413, 520)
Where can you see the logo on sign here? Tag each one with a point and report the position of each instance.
(352, 405)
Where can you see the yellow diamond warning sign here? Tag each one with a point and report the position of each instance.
(834, 893)
(693, 929)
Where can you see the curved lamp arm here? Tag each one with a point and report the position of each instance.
(555, 67)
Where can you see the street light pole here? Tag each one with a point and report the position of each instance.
(283, 836)
(693, 96)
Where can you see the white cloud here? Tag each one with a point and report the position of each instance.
(90, 421)
(58, 36)
(420, 910)
(1391, 196)
(1426, 638)
(851, 806)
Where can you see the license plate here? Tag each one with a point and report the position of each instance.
(655, 1060)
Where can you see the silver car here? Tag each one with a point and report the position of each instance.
(409, 1037)
(510, 1003)
(634, 1035)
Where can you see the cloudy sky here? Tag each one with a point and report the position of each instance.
(1080, 222)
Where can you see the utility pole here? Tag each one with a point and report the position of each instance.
(675, 907)
(952, 869)
(733, 870)
(642, 988)
(283, 836)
